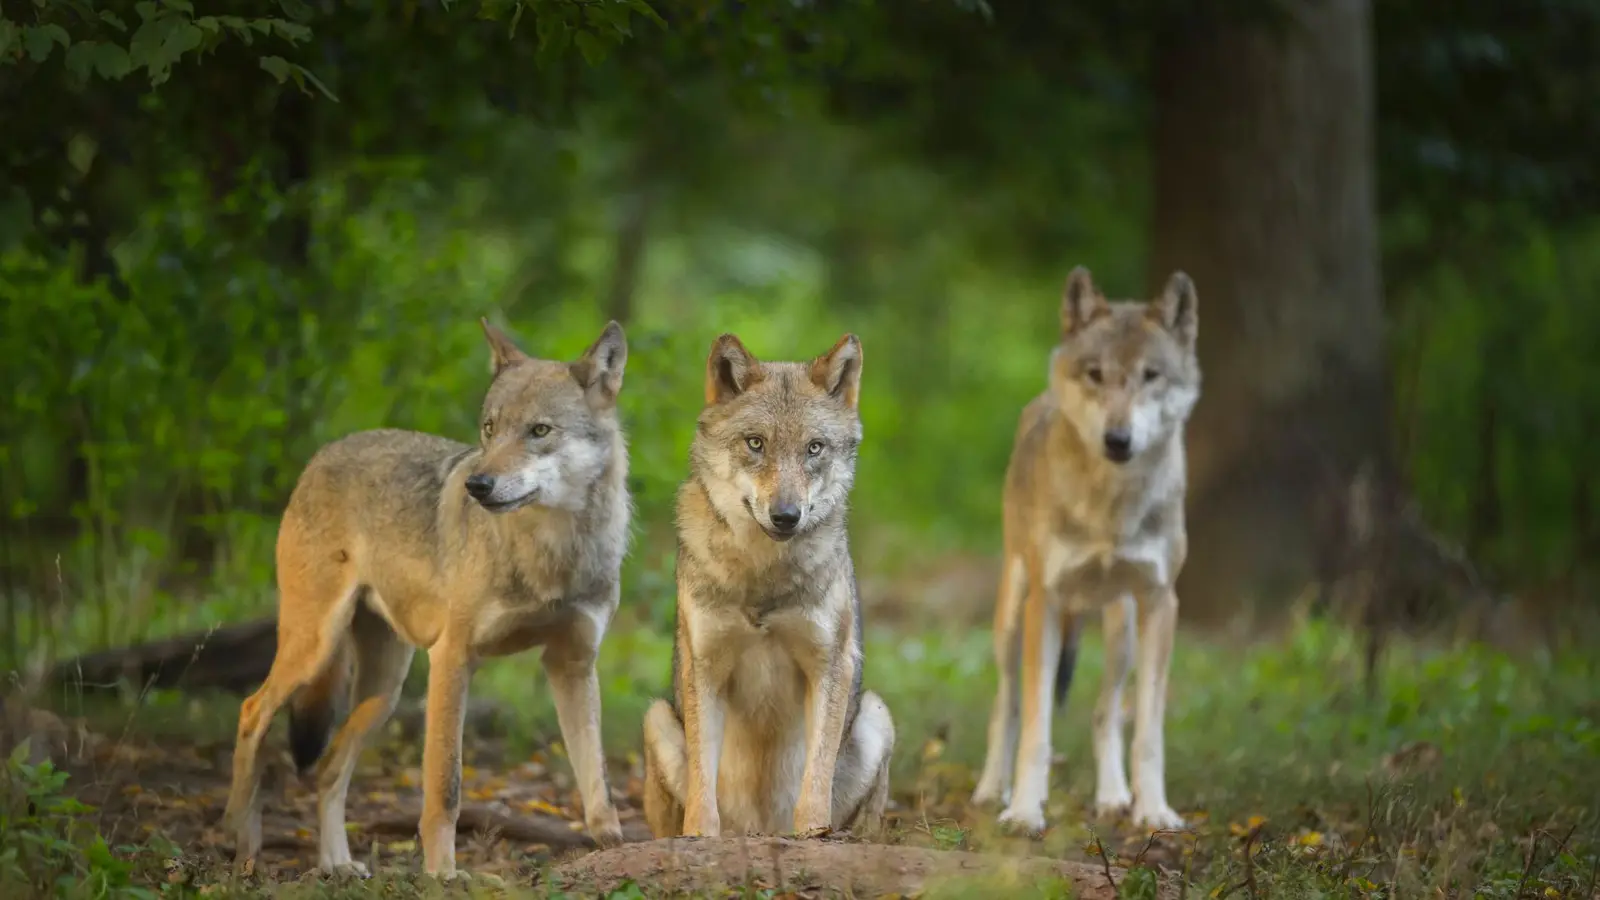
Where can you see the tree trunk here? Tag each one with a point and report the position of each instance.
(1265, 194)
(632, 238)
(1487, 515)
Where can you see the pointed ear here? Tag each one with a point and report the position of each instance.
(1178, 308)
(839, 372)
(503, 352)
(730, 370)
(1081, 301)
(599, 370)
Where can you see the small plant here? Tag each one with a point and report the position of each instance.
(1140, 883)
(47, 846)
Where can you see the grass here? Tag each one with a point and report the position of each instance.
(1469, 773)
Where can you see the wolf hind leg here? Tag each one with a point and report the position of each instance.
(994, 785)
(665, 758)
(382, 660)
(861, 780)
(307, 646)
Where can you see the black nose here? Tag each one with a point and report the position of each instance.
(480, 486)
(1119, 444)
(785, 516)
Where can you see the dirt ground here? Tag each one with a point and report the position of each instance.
(520, 823)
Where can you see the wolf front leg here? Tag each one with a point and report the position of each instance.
(999, 762)
(1112, 796)
(703, 718)
(1158, 621)
(449, 672)
(569, 662)
(1041, 653)
(829, 683)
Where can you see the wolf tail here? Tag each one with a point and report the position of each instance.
(1068, 660)
(315, 707)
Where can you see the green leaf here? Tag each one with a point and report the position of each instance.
(114, 20)
(290, 31)
(80, 59)
(644, 9)
(19, 754)
(303, 75)
(277, 67)
(39, 40)
(590, 46)
(106, 60)
(161, 42)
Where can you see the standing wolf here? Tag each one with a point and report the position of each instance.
(768, 728)
(1094, 523)
(394, 540)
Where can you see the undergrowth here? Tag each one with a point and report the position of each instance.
(1469, 774)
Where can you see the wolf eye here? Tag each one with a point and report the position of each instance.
(1151, 375)
(1095, 375)
(814, 448)
(488, 428)
(754, 443)
(539, 430)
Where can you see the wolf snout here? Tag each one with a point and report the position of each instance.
(480, 486)
(1119, 444)
(785, 517)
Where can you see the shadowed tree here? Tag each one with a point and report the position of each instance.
(1265, 194)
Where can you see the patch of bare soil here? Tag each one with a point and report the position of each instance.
(815, 867)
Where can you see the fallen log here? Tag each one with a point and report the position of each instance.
(830, 867)
(232, 658)
(551, 831)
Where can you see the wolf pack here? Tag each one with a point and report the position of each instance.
(396, 540)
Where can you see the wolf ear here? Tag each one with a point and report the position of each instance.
(599, 370)
(1178, 308)
(503, 351)
(839, 371)
(1081, 301)
(730, 370)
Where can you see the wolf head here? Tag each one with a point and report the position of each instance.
(777, 441)
(549, 429)
(1125, 372)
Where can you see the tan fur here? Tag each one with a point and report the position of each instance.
(769, 730)
(1094, 523)
(382, 549)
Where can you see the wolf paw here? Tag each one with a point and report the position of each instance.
(344, 871)
(462, 876)
(1029, 822)
(1112, 803)
(605, 828)
(1157, 817)
(811, 834)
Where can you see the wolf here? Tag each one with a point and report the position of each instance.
(768, 729)
(1094, 522)
(394, 540)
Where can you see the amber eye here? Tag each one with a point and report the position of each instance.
(1095, 375)
(754, 443)
(488, 428)
(814, 448)
(1151, 375)
(539, 430)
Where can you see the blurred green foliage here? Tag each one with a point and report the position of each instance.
(207, 272)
